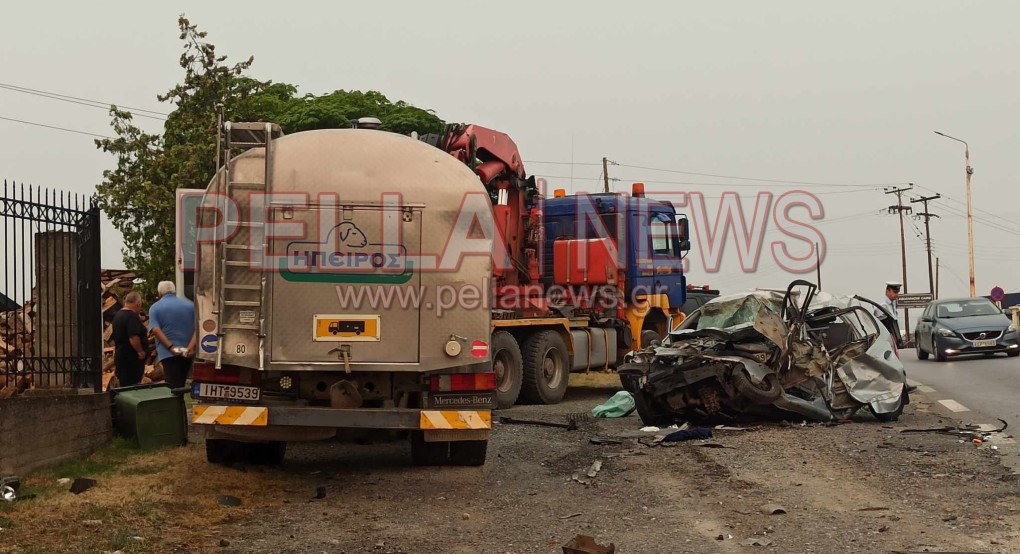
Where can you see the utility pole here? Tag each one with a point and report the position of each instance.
(936, 277)
(900, 208)
(605, 173)
(818, 267)
(970, 213)
(927, 234)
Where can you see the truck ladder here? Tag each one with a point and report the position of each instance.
(241, 287)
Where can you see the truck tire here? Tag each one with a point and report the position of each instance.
(267, 453)
(508, 367)
(221, 451)
(428, 453)
(546, 368)
(468, 453)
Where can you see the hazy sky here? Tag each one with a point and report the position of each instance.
(838, 93)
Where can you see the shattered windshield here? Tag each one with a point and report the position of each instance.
(737, 310)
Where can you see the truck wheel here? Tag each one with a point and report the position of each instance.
(221, 451)
(428, 453)
(267, 453)
(508, 367)
(546, 373)
(468, 453)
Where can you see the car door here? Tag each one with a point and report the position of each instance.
(924, 328)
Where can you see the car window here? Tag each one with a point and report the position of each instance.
(966, 308)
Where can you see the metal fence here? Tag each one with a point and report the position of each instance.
(51, 323)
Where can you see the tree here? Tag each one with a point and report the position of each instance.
(138, 195)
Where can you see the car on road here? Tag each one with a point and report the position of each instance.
(960, 326)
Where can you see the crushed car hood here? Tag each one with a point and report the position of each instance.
(829, 358)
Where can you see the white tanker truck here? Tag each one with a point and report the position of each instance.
(339, 278)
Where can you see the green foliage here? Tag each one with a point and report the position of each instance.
(138, 195)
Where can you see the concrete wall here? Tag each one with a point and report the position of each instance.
(36, 430)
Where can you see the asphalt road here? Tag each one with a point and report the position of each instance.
(985, 388)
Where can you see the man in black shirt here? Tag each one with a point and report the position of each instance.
(130, 338)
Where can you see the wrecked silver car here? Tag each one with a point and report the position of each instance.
(766, 353)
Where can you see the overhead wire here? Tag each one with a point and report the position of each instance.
(65, 129)
(82, 101)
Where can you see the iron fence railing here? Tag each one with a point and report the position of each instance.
(51, 311)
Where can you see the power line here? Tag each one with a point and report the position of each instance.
(55, 127)
(78, 100)
(718, 176)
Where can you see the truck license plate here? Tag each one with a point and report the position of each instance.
(227, 392)
(984, 343)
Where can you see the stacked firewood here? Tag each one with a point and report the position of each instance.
(16, 334)
(17, 331)
(113, 291)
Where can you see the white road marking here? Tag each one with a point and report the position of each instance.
(913, 383)
(925, 388)
(954, 406)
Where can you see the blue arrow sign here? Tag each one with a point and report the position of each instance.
(210, 343)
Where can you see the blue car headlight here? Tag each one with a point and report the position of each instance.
(946, 333)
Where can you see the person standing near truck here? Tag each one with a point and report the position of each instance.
(130, 342)
(172, 321)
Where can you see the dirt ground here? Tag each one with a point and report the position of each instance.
(856, 487)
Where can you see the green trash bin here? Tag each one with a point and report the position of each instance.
(152, 415)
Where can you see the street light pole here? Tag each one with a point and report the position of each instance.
(970, 213)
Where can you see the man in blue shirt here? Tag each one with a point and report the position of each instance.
(172, 322)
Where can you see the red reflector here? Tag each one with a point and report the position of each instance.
(206, 373)
(479, 349)
(460, 382)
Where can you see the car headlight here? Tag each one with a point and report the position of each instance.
(946, 333)
(1011, 328)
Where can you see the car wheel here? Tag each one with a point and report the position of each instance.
(763, 394)
(922, 354)
(895, 414)
(647, 336)
(940, 356)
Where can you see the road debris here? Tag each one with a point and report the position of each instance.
(82, 484)
(320, 493)
(571, 424)
(7, 494)
(596, 466)
(815, 355)
(698, 433)
(227, 500)
(585, 544)
(772, 509)
(757, 541)
(571, 515)
(620, 404)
